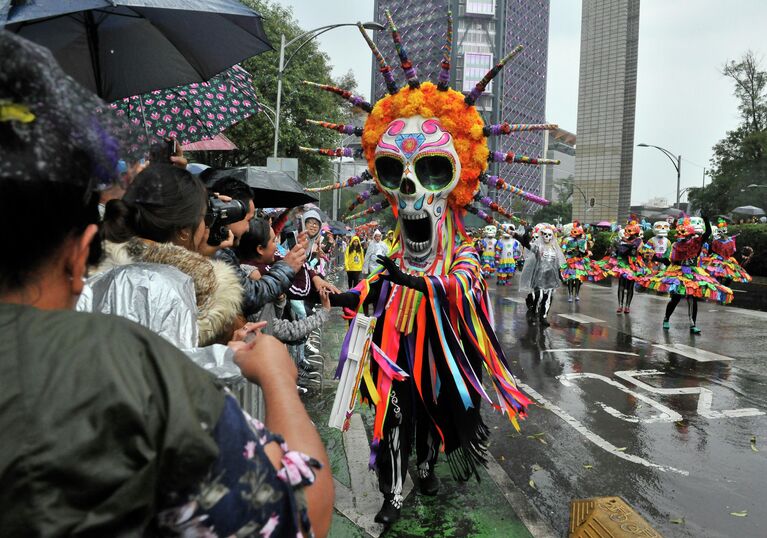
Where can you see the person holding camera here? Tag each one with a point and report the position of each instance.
(109, 430)
(267, 287)
(161, 220)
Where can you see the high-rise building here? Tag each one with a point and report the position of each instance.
(606, 109)
(483, 32)
(560, 145)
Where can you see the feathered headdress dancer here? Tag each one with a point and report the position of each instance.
(454, 110)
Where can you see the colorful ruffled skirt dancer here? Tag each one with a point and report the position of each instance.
(628, 270)
(488, 264)
(505, 269)
(688, 281)
(577, 270)
(724, 269)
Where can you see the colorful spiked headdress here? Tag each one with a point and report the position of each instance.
(453, 110)
(684, 227)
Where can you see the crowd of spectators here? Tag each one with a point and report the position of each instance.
(124, 324)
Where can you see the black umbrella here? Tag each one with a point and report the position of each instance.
(120, 48)
(271, 188)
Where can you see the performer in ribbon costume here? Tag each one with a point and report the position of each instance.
(426, 148)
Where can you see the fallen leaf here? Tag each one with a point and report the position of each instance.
(532, 484)
(743, 513)
(753, 444)
(677, 521)
(502, 458)
(621, 449)
(536, 467)
(542, 440)
(587, 466)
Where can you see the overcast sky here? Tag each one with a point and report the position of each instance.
(683, 102)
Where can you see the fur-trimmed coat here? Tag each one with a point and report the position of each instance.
(217, 289)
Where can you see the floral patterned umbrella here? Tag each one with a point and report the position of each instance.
(193, 112)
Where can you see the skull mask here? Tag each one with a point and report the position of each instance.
(698, 224)
(490, 231)
(660, 228)
(547, 234)
(416, 164)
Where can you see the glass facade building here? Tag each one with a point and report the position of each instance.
(483, 32)
(606, 109)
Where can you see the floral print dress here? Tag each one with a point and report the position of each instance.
(244, 495)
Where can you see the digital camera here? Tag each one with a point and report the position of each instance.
(220, 215)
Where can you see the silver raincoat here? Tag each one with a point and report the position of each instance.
(162, 299)
(542, 264)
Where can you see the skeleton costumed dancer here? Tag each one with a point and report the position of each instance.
(685, 278)
(426, 147)
(578, 266)
(541, 273)
(658, 247)
(487, 250)
(507, 252)
(626, 264)
(720, 262)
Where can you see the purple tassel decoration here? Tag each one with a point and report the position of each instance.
(343, 129)
(385, 68)
(506, 128)
(511, 157)
(407, 65)
(474, 94)
(443, 82)
(355, 100)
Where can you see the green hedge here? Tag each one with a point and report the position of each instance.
(753, 235)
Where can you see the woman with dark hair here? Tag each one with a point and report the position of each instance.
(258, 249)
(161, 220)
(108, 430)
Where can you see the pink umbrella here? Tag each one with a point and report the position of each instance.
(217, 143)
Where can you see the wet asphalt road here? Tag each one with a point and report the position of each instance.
(617, 415)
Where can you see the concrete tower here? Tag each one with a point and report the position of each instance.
(606, 109)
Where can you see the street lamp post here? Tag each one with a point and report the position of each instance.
(309, 35)
(676, 161)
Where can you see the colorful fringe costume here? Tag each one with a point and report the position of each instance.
(507, 252)
(721, 264)
(426, 146)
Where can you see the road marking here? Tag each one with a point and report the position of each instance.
(705, 396)
(362, 502)
(591, 436)
(581, 318)
(700, 355)
(591, 350)
(665, 415)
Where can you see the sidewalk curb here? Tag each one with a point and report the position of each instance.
(524, 509)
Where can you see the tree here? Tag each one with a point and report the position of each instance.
(740, 158)
(254, 137)
(562, 208)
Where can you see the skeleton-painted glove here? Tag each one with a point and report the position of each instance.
(396, 276)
